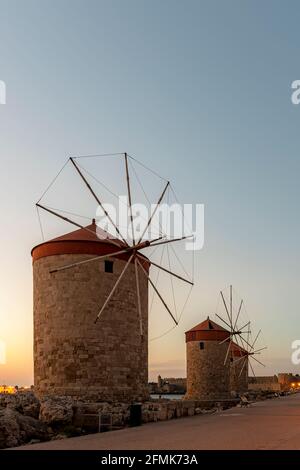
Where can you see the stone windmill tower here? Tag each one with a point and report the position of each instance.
(208, 376)
(72, 354)
(218, 356)
(91, 309)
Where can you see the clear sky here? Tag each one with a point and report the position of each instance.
(197, 90)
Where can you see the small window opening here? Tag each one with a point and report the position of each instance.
(108, 266)
(201, 345)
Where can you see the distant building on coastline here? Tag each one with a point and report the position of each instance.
(167, 385)
(264, 383)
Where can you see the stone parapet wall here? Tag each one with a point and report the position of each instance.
(267, 383)
(265, 386)
(152, 411)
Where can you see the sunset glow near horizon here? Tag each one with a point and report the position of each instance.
(205, 101)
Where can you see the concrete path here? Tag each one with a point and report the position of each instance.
(271, 424)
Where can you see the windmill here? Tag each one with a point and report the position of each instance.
(122, 246)
(241, 349)
(232, 322)
(248, 353)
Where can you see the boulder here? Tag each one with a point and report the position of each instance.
(56, 411)
(31, 428)
(9, 429)
(32, 410)
(16, 429)
(29, 405)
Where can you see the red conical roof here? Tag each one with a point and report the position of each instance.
(91, 240)
(207, 325)
(207, 330)
(90, 233)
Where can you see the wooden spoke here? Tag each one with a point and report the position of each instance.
(223, 320)
(258, 350)
(256, 339)
(254, 358)
(66, 219)
(138, 296)
(231, 303)
(238, 340)
(245, 362)
(228, 351)
(248, 323)
(114, 288)
(226, 339)
(153, 213)
(245, 341)
(226, 309)
(96, 258)
(238, 360)
(170, 272)
(157, 292)
(237, 317)
(98, 200)
(129, 196)
(249, 362)
(172, 240)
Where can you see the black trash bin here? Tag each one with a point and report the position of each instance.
(135, 414)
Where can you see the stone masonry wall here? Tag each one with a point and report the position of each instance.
(73, 356)
(207, 376)
(239, 376)
(267, 386)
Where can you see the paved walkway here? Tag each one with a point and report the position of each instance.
(271, 424)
